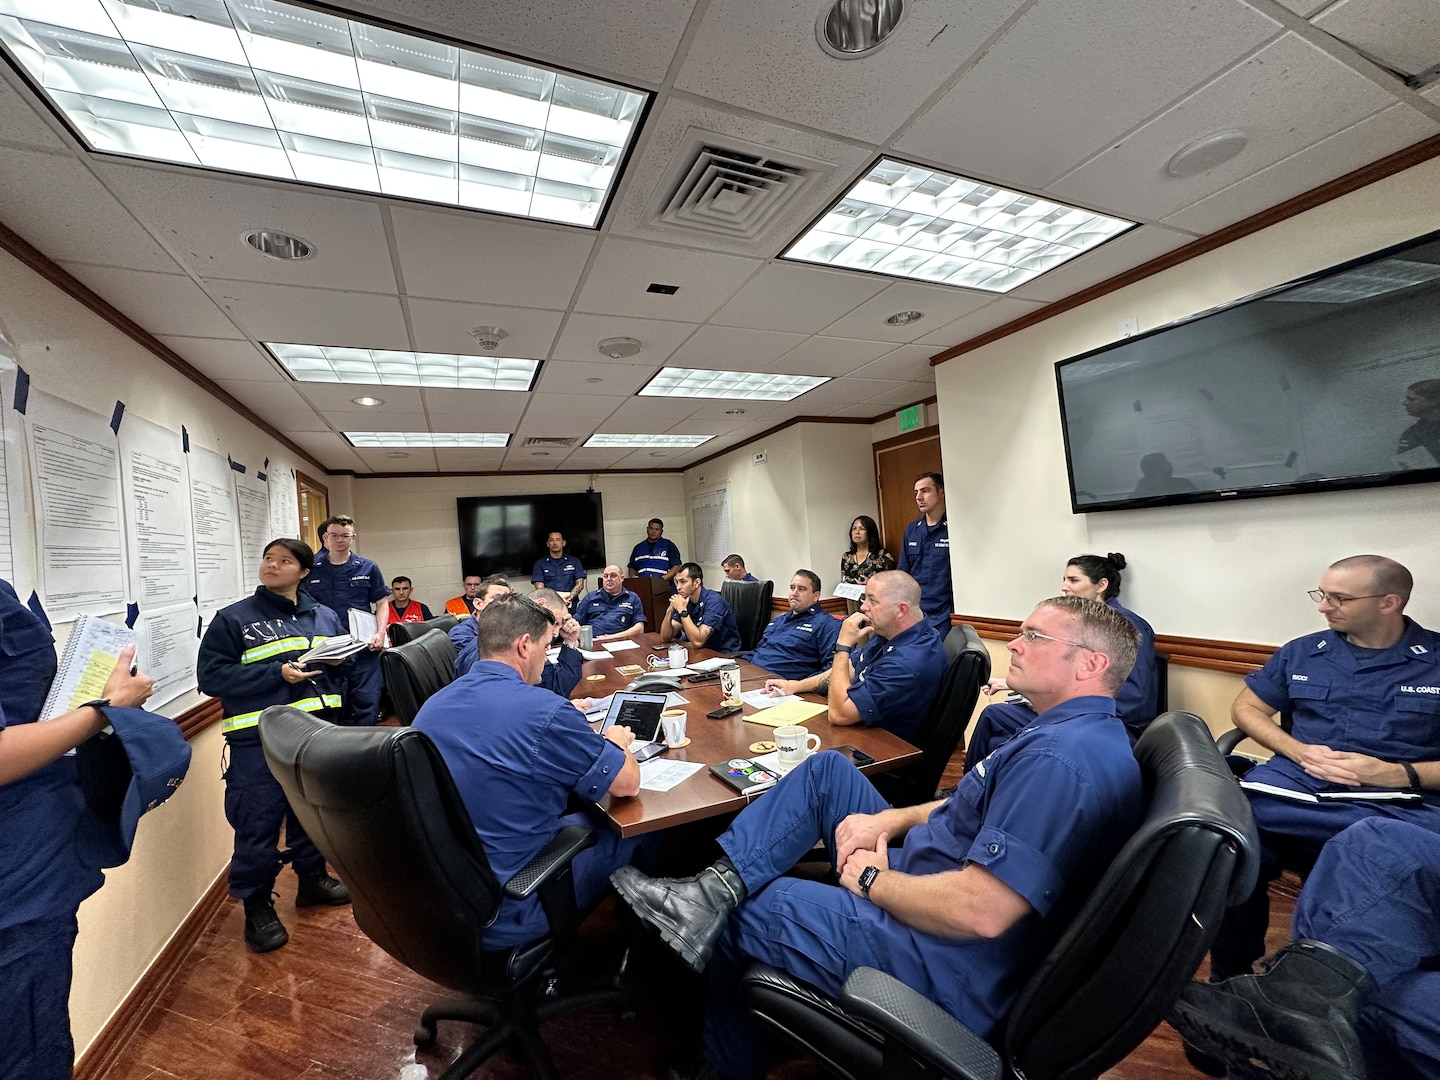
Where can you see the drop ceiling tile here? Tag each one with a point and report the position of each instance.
(1432, 93)
(232, 361)
(729, 348)
(613, 379)
(460, 459)
(649, 416)
(202, 218)
(1305, 8)
(417, 459)
(1125, 252)
(839, 392)
(1285, 97)
(996, 313)
(715, 410)
(571, 407)
(443, 326)
(474, 410)
(616, 283)
(1403, 35)
(329, 397)
(1068, 78)
(279, 406)
(831, 356)
(21, 122)
(330, 450)
(313, 316)
(789, 76)
(1393, 129)
(161, 303)
(800, 299)
(357, 418)
(580, 339)
(938, 303)
(909, 362)
(483, 259)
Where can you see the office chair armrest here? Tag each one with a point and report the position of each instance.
(1228, 740)
(550, 861)
(919, 1025)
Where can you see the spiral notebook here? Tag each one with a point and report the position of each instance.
(90, 655)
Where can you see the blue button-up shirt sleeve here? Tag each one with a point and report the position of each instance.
(379, 590)
(595, 780)
(563, 675)
(1271, 684)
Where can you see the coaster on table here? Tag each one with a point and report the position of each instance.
(593, 678)
(678, 745)
(762, 747)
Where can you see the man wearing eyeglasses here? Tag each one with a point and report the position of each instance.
(1364, 701)
(342, 581)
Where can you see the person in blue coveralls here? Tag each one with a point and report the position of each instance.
(734, 567)
(699, 615)
(248, 659)
(925, 552)
(559, 571)
(518, 753)
(342, 581)
(655, 556)
(982, 884)
(1355, 993)
(1364, 699)
(800, 644)
(44, 873)
(1095, 577)
(612, 611)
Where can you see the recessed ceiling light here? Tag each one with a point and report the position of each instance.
(427, 438)
(753, 385)
(648, 440)
(539, 453)
(396, 454)
(734, 412)
(274, 89)
(1205, 153)
(658, 453)
(279, 245)
(850, 29)
(368, 402)
(617, 348)
(386, 367)
(904, 318)
(593, 381)
(907, 222)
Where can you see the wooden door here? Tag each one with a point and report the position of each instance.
(897, 462)
(314, 507)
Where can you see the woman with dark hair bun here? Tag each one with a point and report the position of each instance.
(866, 556)
(1094, 577)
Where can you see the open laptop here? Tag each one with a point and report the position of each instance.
(639, 712)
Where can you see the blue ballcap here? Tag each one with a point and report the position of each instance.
(125, 775)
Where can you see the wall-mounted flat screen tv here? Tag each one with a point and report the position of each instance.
(1331, 381)
(505, 534)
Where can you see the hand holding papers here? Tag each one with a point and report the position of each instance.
(91, 654)
(362, 629)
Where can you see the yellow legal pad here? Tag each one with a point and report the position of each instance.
(786, 713)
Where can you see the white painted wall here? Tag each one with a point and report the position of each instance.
(1234, 571)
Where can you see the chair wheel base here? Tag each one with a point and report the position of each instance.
(424, 1036)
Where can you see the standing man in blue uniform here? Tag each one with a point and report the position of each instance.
(925, 552)
(612, 611)
(699, 615)
(517, 753)
(343, 581)
(44, 874)
(1364, 698)
(559, 571)
(983, 884)
(655, 556)
(801, 643)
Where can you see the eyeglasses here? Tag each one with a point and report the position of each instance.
(332, 535)
(1337, 600)
(1032, 636)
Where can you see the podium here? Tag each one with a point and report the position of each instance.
(654, 593)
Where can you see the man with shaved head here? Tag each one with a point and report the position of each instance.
(612, 611)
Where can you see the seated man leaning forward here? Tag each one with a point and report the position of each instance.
(612, 611)
(983, 883)
(699, 615)
(800, 643)
(517, 753)
(888, 661)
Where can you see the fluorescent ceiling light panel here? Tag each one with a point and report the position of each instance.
(427, 438)
(685, 441)
(388, 367)
(751, 385)
(274, 89)
(908, 222)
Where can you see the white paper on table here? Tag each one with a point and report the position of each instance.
(553, 653)
(713, 664)
(618, 646)
(850, 590)
(761, 699)
(658, 774)
(594, 654)
(673, 699)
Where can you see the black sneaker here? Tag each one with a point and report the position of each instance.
(263, 930)
(318, 887)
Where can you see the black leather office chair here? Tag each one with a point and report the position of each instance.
(1106, 984)
(401, 632)
(944, 726)
(1162, 683)
(751, 601)
(381, 807)
(415, 670)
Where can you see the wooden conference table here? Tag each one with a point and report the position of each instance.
(704, 795)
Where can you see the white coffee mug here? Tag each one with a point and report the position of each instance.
(678, 657)
(674, 724)
(793, 745)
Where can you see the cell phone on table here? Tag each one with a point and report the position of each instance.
(856, 755)
(654, 749)
(724, 711)
(704, 676)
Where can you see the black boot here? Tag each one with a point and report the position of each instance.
(263, 930)
(318, 887)
(1297, 1021)
(689, 912)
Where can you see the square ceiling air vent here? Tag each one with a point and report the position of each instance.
(549, 440)
(732, 192)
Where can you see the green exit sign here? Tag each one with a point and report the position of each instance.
(910, 418)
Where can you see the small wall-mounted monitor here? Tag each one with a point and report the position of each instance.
(505, 534)
(1331, 381)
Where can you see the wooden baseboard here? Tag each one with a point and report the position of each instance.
(1234, 657)
(105, 1053)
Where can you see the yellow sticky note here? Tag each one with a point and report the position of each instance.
(93, 677)
(786, 713)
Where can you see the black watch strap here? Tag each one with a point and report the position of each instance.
(101, 703)
(845, 648)
(867, 878)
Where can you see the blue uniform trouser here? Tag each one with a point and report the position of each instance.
(362, 700)
(1374, 894)
(35, 999)
(997, 723)
(804, 927)
(255, 807)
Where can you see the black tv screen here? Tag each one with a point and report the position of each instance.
(1306, 387)
(505, 534)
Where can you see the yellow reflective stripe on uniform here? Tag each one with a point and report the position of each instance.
(310, 704)
(274, 648)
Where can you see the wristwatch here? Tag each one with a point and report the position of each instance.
(99, 703)
(845, 648)
(867, 878)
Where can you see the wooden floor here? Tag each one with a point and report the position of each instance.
(332, 1005)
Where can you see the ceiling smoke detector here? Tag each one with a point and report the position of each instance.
(488, 338)
(618, 348)
(1204, 154)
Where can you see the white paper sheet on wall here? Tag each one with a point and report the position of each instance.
(215, 527)
(284, 502)
(252, 502)
(157, 515)
(169, 648)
